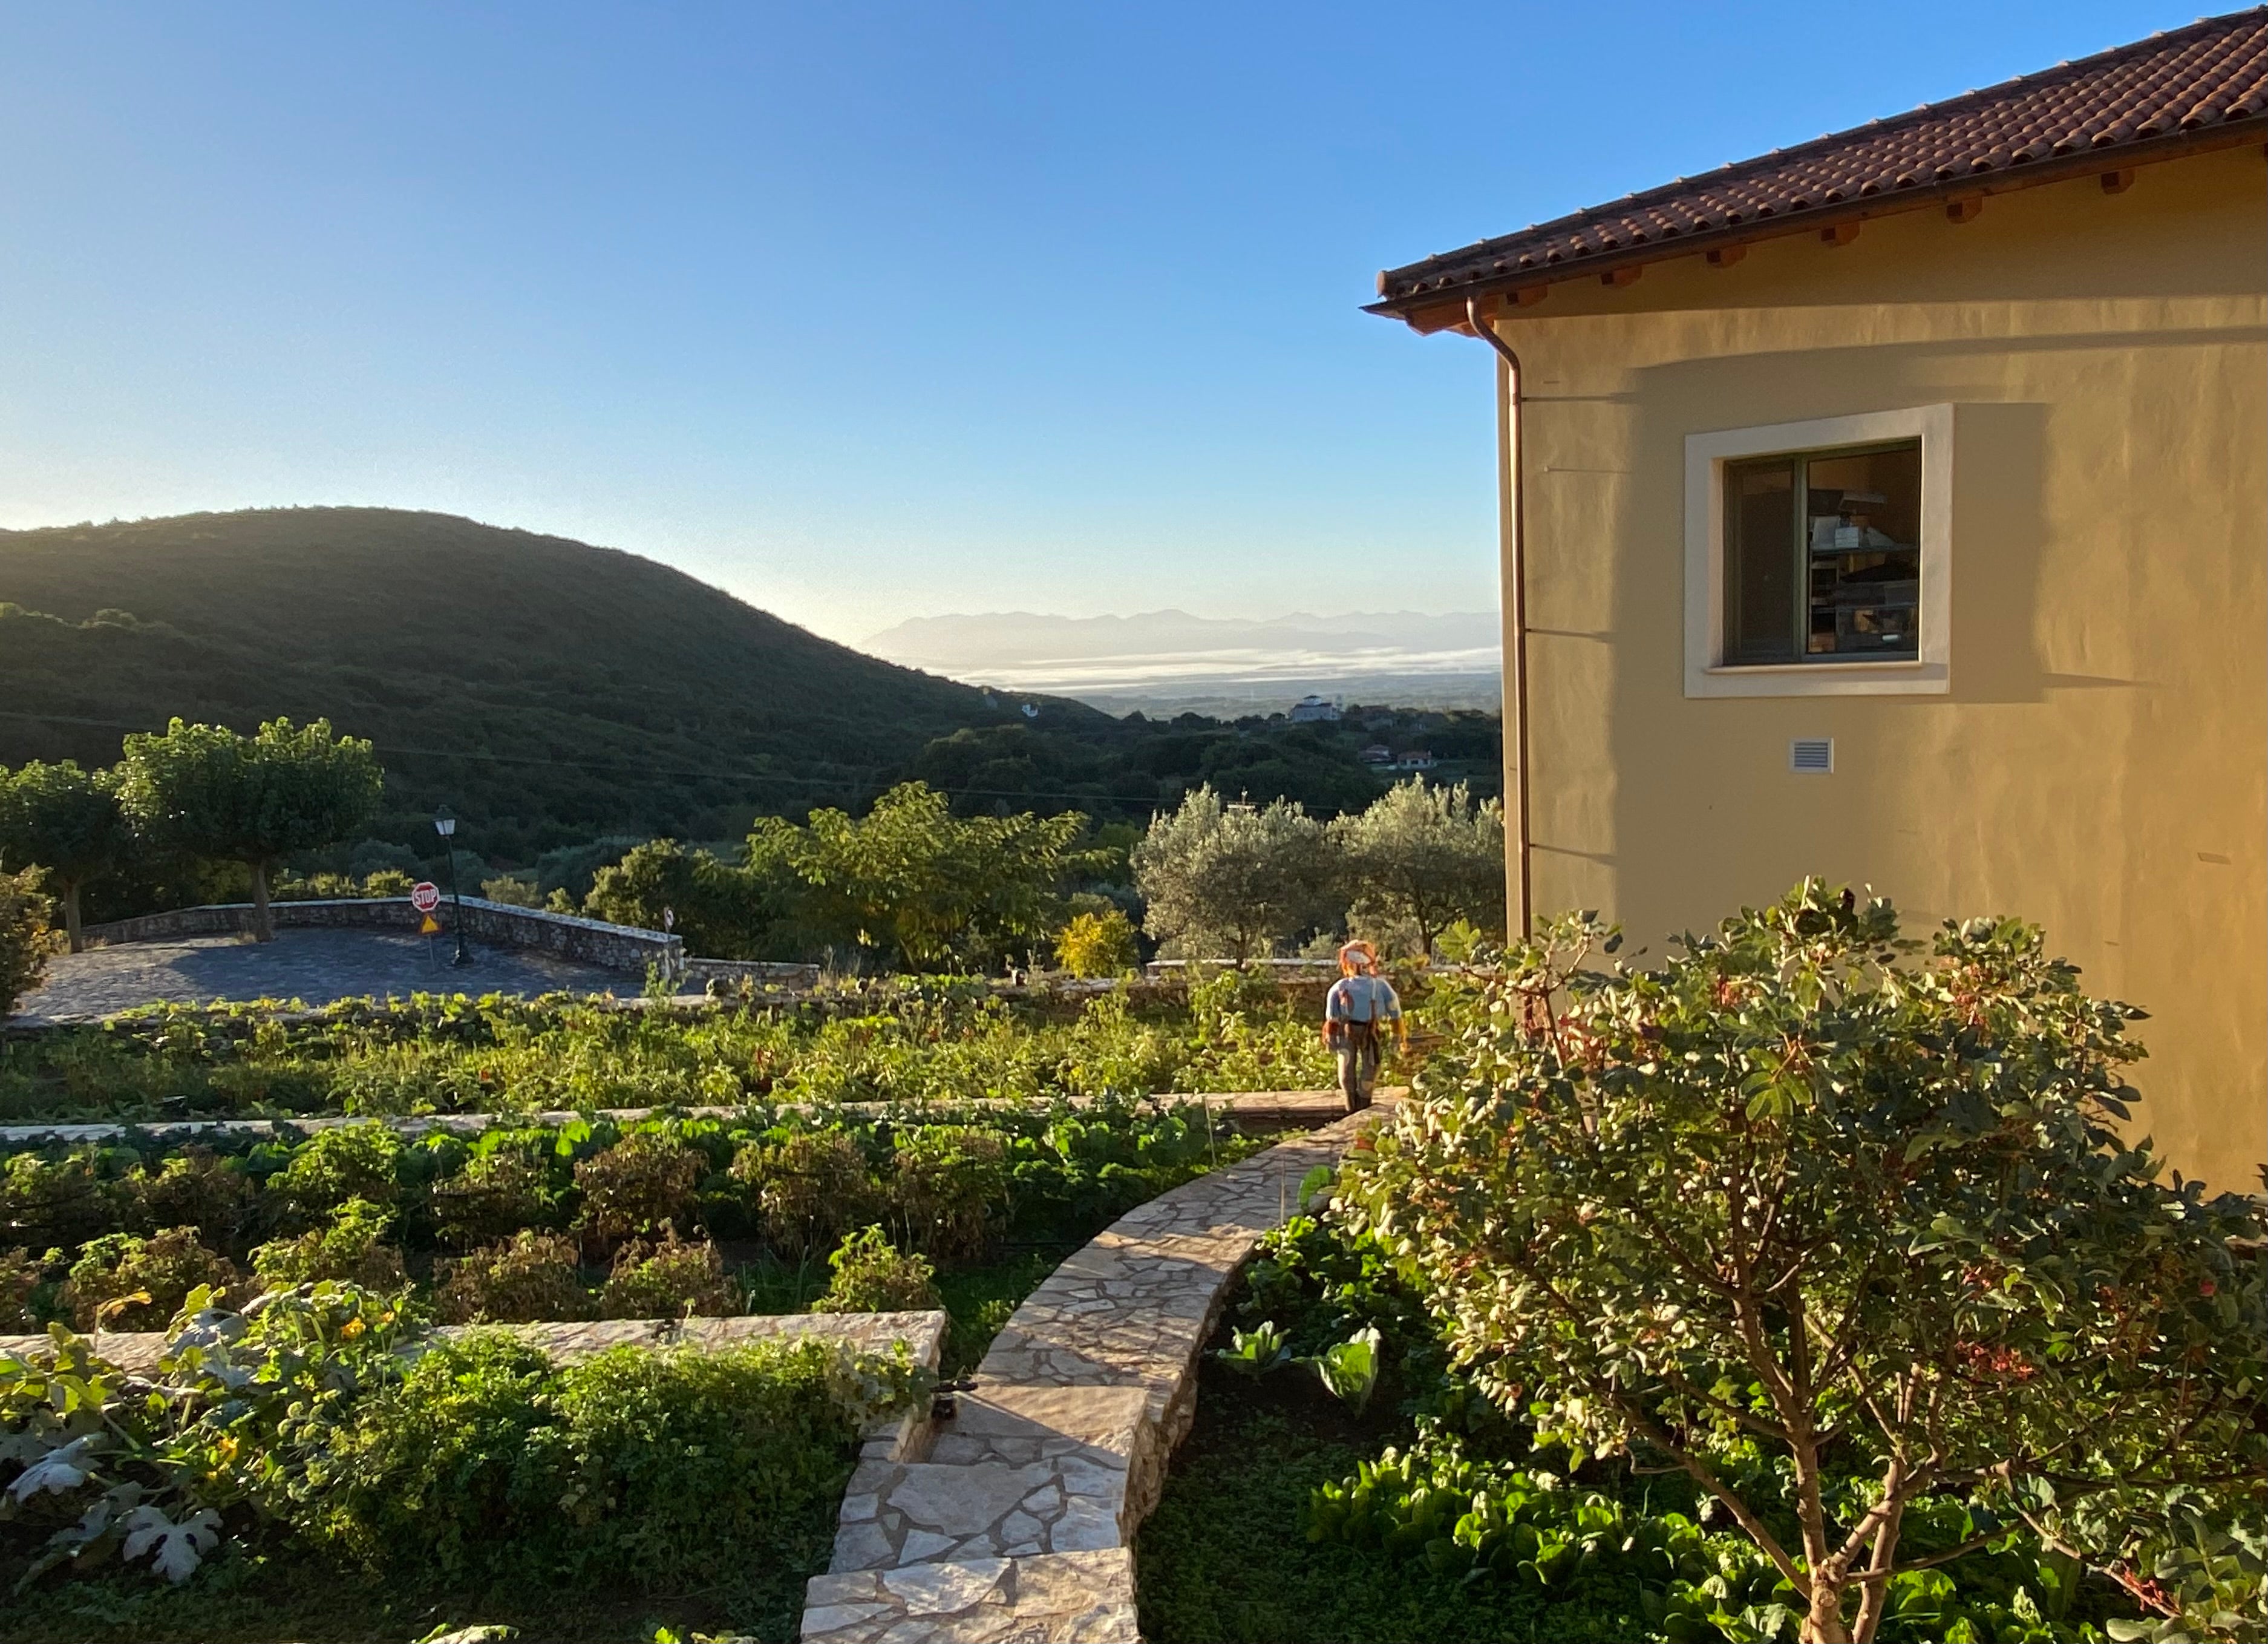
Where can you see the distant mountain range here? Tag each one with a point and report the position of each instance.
(1170, 660)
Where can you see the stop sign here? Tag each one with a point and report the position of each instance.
(424, 896)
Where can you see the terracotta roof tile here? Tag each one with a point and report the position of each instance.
(2155, 97)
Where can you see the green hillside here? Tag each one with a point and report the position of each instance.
(548, 691)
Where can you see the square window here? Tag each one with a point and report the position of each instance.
(1817, 556)
(1837, 578)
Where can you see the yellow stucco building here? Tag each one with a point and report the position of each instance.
(1907, 523)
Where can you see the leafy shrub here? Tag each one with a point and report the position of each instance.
(108, 1465)
(872, 1276)
(668, 1280)
(658, 1470)
(643, 1184)
(347, 1162)
(493, 1196)
(513, 891)
(20, 1274)
(352, 1250)
(26, 939)
(950, 1185)
(1098, 945)
(1791, 1183)
(196, 1188)
(530, 1277)
(62, 1201)
(123, 1281)
(810, 1189)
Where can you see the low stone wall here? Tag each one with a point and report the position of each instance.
(1253, 1111)
(563, 935)
(727, 975)
(1018, 1521)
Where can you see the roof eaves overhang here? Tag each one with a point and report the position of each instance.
(1441, 302)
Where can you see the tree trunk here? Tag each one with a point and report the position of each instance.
(263, 926)
(71, 916)
(1823, 1625)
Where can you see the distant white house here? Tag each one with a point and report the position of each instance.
(1308, 709)
(1378, 754)
(1416, 759)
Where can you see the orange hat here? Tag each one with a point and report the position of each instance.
(1357, 955)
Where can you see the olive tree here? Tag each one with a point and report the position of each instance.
(254, 800)
(1833, 1228)
(1421, 858)
(66, 820)
(1231, 881)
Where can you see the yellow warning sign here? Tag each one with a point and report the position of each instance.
(429, 926)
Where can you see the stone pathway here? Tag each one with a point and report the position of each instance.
(1016, 1521)
(316, 966)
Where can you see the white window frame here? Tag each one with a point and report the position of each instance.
(1706, 672)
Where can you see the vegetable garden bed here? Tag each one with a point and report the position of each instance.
(440, 1054)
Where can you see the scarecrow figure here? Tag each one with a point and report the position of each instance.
(1355, 1011)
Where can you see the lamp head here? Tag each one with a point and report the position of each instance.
(444, 824)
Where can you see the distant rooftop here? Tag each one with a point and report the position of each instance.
(2199, 87)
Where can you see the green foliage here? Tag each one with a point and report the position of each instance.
(66, 820)
(255, 800)
(644, 1183)
(195, 1188)
(722, 912)
(124, 1281)
(488, 1463)
(872, 1275)
(811, 1189)
(479, 1461)
(1349, 1369)
(108, 1466)
(1829, 1226)
(347, 1162)
(442, 1054)
(55, 1201)
(1231, 881)
(1098, 945)
(667, 1278)
(950, 1188)
(1421, 858)
(1255, 1352)
(498, 1192)
(915, 883)
(21, 1275)
(529, 1277)
(25, 939)
(352, 1249)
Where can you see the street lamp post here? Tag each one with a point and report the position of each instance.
(445, 825)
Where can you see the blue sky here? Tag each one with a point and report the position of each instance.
(860, 310)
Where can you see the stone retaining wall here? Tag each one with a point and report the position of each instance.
(1252, 1109)
(1018, 1521)
(563, 935)
(728, 974)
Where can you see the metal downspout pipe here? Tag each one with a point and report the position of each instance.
(1523, 905)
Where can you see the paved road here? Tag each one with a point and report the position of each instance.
(314, 966)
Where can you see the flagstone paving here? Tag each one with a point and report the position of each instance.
(315, 966)
(1014, 1518)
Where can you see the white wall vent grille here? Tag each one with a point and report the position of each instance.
(1812, 756)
